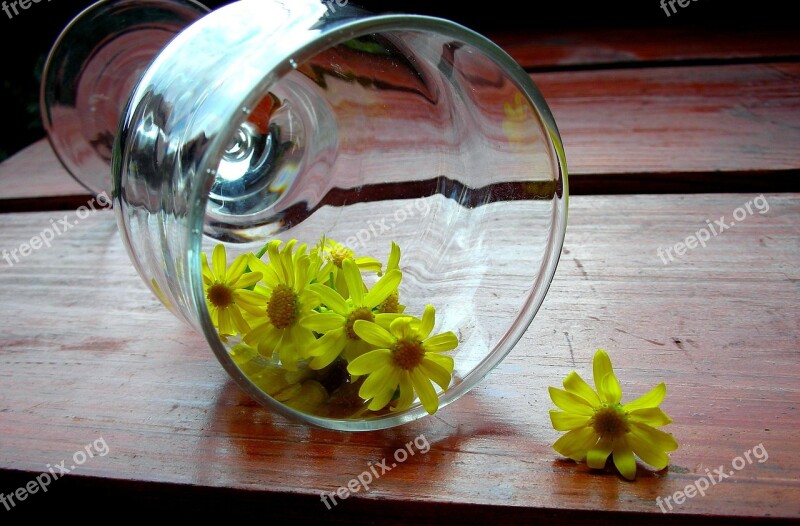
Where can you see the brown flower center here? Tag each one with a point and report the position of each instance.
(610, 421)
(282, 307)
(359, 314)
(338, 255)
(391, 305)
(220, 295)
(408, 354)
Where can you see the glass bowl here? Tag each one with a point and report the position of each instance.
(338, 200)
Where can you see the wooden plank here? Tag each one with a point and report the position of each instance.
(692, 129)
(549, 50)
(37, 172)
(683, 129)
(719, 325)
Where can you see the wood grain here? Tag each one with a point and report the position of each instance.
(35, 172)
(558, 50)
(87, 352)
(667, 130)
(679, 129)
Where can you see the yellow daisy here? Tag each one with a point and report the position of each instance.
(336, 325)
(599, 425)
(408, 358)
(296, 389)
(336, 254)
(226, 291)
(287, 301)
(392, 302)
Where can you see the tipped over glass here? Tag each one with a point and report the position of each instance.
(361, 213)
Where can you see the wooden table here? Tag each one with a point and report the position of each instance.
(660, 137)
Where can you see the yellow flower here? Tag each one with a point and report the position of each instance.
(286, 302)
(392, 302)
(337, 323)
(226, 291)
(599, 425)
(296, 389)
(408, 358)
(336, 254)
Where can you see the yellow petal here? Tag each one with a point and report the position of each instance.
(219, 263)
(251, 297)
(206, 270)
(428, 321)
(355, 284)
(301, 338)
(576, 443)
(610, 391)
(406, 392)
(647, 451)
(576, 385)
(659, 439)
(445, 361)
(385, 319)
(385, 396)
(268, 271)
(394, 257)
(570, 402)
(257, 333)
(336, 338)
(324, 322)
(601, 366)
(237, 268)
(651, 399)
(374, 334)
(651, 416)
(376, 382)
(327, 349)
(330, 298)
(369, 264)
(435, 372)
(563, 421)
(310, 396)
(301, 272)
(225, 323)
(275, 261)
(441, 342)
(238, 321)
(246, 280)
(597, 456)
(623, 458)
(381, 290)
(425, 391)
(287, 352)
(369, 362)
(401, 327)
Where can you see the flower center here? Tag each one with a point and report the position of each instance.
(610, 421)
(391, 305)
(408, 354)
(359, 314)
(338, 255)
(282, 307)
(220, 295)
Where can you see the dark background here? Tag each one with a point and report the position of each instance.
(26, 39)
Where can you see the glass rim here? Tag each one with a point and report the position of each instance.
(49, 63)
